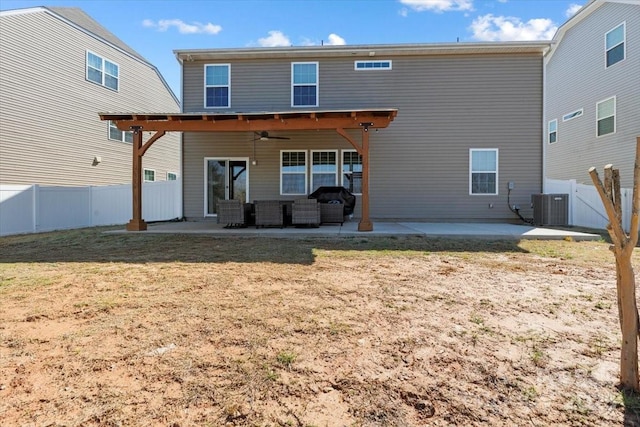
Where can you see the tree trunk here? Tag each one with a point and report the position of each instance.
(629, 324)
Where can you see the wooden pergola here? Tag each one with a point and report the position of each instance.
(160, 123)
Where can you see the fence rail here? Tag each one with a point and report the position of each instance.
(36, 208)
(585, 206)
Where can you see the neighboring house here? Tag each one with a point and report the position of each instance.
(467, 126)
(592, 91)
(58, 69)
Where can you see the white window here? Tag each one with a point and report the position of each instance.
(304, 84)
(483, 171)
(572, 115)
(552, 131)
(293, 172)
(606, 116)
(372, 65)
(614, 42)
(149, 175)
(324, 169)
(102, 71)
(217, 85)
(352, 171)
(119, 135)
(172, 176)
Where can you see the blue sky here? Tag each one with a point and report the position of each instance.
(155, 28)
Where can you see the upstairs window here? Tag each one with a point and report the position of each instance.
(119, 135)
(372, 65)
(217, 86)
(102, 71)
(552, 131)
(304, 84)
(606, 116)
(324, 169)
(293, 172)
(572, 115)
(614, 45)
(483, 171)
(352, 171)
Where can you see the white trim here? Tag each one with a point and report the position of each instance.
(150, 170)
(306, 171)
(349, 150)
(337, 165)
(615, 106)
(390, 67)
(549, 132)
(317, 84)
(103, 71)
(573, 115)
(471, 171)
(623, 43)
(228, 85)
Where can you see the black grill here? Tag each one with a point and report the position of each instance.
(335, 195)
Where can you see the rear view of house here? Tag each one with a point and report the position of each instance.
(58, 69)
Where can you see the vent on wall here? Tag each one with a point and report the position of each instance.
(550, 209)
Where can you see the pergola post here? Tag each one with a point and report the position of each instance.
(137, 223)
(365, 222)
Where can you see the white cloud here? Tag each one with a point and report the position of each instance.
(404, 12)
(572, 9)
(508, 28)
(183, 27)
(335, 40)
(274, 39)
(438, 6)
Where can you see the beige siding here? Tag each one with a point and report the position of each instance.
(50, 131)
(420, 164)
(577, 78)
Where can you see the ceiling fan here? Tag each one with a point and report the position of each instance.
(264, 136)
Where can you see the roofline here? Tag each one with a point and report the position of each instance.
(584, 12)
(95, 36)
(364, 50)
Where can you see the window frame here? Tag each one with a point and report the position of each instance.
(103, 71)
(342, 171)
(293, 84)
(471, 171)
(573, 115)
(311, 164)
(380, 61)
(144, 173)
(175, 176)
(228, 85)
(305, 173)
(123, 133)
(623, 43)
(598, 119)
(550, 132)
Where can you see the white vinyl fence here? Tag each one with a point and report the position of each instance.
(585, 206)
(35, 208)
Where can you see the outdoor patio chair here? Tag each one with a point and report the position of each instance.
(231, 213)
(331, 212)
(305, 212)
(269, 213)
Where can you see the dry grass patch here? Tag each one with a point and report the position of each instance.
(104, 329)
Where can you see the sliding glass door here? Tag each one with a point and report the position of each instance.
(225, 179)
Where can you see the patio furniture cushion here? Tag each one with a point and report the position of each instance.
(305, 212)
(269, 213)
(231, 213)
(331, 212)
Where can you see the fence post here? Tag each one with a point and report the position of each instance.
(35, 206)
(573, 190)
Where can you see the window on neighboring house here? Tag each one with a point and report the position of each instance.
(483, 173)
(293, 172)
(217, 86)
(102, 71)
(352, 171)
(572, 115)
(304, 84)
(171, 176)
(552, 131)
(614, 45)
(372, 65)
(119, 135)
(324, 169)
(149, 175)
(606, 116)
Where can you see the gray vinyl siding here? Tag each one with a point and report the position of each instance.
(419, 164)
(50, 131)
(576, 78)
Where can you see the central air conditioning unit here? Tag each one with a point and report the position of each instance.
(550, 209)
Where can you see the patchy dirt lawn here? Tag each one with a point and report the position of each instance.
(110, 330)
